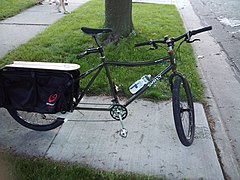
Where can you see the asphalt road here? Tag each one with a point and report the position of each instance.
(224, 16)
(222, 74)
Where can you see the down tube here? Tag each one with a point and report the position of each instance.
(135, 96)
(147, 86)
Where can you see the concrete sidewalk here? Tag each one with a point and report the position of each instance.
(22, 27)
(152, 146)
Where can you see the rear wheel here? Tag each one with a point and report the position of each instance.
(36, 121)
(183, 111)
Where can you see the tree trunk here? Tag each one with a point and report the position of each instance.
(118, 16)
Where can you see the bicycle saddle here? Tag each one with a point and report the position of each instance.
(92, 31)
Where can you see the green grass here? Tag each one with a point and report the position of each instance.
(10, 8)
(62, 41)
(23, 168)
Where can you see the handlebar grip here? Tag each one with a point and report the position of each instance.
(143, 43)
(81, 55)
(193, 32)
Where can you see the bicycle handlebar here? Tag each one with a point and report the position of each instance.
(187, 36)
(149, 43)
(169, 41)
(81, 55)
(193, 32)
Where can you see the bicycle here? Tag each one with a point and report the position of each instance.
(182, 103)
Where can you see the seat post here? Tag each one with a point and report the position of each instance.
(99, 46)
(96, 39)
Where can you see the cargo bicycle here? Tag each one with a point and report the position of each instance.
(34, 93)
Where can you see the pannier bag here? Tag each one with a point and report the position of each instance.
(2, 94)
(40, 90)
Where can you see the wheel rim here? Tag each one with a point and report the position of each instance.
(37, 118)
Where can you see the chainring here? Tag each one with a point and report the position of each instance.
(117, 110)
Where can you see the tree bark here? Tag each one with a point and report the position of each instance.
(118, 16)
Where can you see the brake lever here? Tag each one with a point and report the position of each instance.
(191, 41)
(152, 48)
(155, 46)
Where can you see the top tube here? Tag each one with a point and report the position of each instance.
(142, 63)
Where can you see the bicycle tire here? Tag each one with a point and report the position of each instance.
(36, 121)
(183, 111)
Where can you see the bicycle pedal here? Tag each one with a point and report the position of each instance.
(123, 133)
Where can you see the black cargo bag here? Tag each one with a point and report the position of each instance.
(2, 94)
(42, 91)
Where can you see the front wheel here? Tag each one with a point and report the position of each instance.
(183, 111)
(36, 121)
